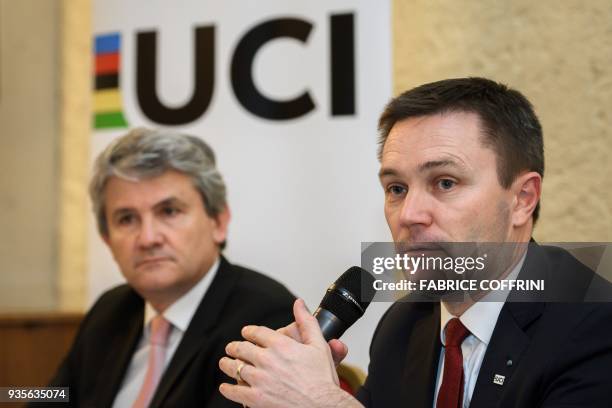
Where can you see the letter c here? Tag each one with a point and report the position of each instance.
(242, 70)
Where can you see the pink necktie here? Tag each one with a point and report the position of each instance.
(160, 331)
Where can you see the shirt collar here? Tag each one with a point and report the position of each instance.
(481, 317)
(182, 310)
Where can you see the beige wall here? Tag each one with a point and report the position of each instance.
(44, 129)
(75, 133)
(559, 54)
(29, 157)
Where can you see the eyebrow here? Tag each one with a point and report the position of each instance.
(169, 200)
(434, 164)
(429, 165)
(164, 202)
(120, 211)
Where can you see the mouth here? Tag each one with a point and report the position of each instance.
(419, 246)
(422, 247)
(151, 261)
(427, 249)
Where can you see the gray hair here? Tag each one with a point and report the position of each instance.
(144, 153)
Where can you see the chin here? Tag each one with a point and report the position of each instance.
(153, 280)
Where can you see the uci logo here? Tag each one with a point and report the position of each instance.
(108, 105)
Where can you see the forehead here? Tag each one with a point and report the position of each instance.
(454, 136)
(145, 193)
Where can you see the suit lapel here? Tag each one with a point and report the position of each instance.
(422, 360)
(504, 352)
(509, 339)
(123, 342)
(195, 338)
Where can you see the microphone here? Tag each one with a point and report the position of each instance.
(344, 302)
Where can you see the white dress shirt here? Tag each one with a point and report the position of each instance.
(480, 320)
(179, 314)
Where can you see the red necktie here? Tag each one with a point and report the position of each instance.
(451, 390)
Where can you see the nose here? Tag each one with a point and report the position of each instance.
(416, 211)
(149, 235)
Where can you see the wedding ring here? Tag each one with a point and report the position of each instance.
(238, 377)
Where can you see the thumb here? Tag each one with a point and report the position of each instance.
(338, 351)
(307, 324)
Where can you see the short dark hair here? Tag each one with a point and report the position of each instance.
(509, 124)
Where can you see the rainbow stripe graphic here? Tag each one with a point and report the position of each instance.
(108, 110)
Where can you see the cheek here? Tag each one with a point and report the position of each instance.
(389, 215)
(122, 252)
(471, 207)
(392, 217)
(115, 245)
(392, 209)
(194, 238)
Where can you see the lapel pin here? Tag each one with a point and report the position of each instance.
(499, 379)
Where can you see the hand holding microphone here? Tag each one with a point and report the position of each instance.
(294, 366)
(343, 304)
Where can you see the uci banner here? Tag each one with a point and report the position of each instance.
(286, 93)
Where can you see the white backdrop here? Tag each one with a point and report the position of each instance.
(304, 193)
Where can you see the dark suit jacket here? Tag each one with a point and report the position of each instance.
(552, 354)
(102, 351)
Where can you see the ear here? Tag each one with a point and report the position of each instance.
(221, 222)
(527, 189)
(106, 239)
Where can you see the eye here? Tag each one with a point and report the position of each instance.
(446, 184)
(125, 219)
(169, 211)
(396, 190)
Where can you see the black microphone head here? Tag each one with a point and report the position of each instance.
(350, 295)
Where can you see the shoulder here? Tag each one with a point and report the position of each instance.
(566, 278)
(583, 321)
(574, 351)
(254, 298)
(118, 301)
(255, 287)
(258, 284)
(116, 298)
(110, 315)
(115, 295)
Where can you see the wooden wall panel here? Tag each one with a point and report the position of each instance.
(32, 346)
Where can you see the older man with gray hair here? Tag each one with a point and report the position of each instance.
(160, 205)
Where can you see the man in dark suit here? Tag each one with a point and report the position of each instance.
(461, 161)
(155, 341)
(545, 354)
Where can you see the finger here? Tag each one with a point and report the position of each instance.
(262, 336)
(339, 350)
(243, 350)
(307, 324)
(242, 394)
(291, 331)
(230, 368)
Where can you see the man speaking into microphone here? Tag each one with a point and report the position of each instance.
(462, 160)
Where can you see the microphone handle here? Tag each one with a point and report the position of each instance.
(331, 326)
